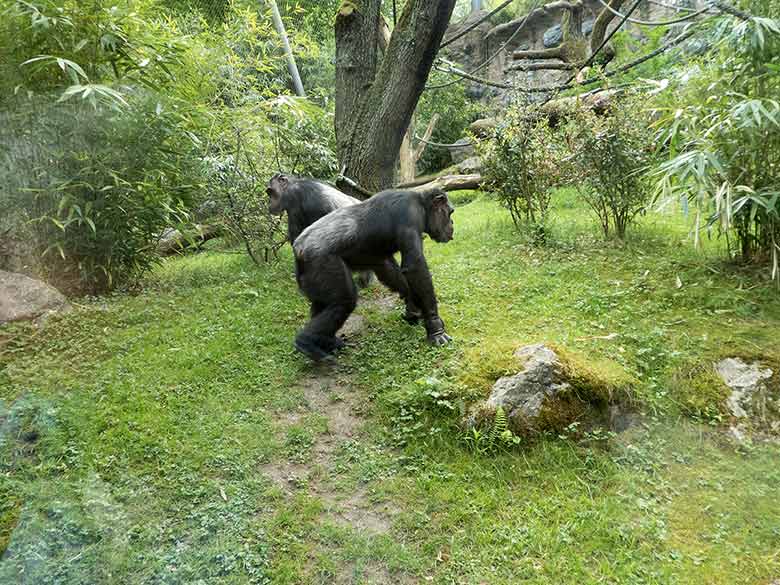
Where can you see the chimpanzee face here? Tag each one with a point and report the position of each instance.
(276, 189)
(440, 226)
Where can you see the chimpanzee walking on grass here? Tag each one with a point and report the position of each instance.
(365, 237)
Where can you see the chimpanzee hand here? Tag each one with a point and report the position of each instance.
(436, 333)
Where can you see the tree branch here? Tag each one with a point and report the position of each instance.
(554, 53)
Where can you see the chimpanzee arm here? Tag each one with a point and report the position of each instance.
(415, 268)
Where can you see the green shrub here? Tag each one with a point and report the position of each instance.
(609, 162)
(521, 166)
(98, 185)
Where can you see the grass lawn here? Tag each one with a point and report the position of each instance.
(174, 436)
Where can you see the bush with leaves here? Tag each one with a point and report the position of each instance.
(725, 140)
(609, 162)
(521, 166)
(97, 185)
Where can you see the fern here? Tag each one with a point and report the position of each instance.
(500, 425)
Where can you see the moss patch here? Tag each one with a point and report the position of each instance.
(700, 392)
(486, 363)
(596, 380)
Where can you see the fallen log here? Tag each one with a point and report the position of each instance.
(173, 241)
(452, 183)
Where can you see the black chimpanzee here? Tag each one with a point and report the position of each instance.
(365, 236)
(306, 201)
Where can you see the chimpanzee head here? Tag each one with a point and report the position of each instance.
(276, 189)
(439, 216)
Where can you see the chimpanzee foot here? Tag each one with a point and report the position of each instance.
(332, 344)
(436, 333)
(316, 347)
(412, 315)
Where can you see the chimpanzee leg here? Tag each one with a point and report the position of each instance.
(327, 282)
(389, 274)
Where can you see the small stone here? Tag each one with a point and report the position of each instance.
(553, 36)
(470, 166)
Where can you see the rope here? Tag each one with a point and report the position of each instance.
(493, 56)
(656, 22)
(462, 33)
(728, 9)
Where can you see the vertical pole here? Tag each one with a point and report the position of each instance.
(291, 66)
(476, 5)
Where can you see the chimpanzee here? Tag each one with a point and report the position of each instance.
(365, 236)
(306, 201)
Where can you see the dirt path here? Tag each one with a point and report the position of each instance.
(328, 393)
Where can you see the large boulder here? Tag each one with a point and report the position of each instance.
(552, 391)
(24, 298)
(753, 401)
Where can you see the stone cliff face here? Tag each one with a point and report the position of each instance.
(542, 30)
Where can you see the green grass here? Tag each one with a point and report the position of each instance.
(134, 432)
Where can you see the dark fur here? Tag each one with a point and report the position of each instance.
(362, 237)
(306, 201)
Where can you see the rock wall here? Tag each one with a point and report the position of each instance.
(542, 30)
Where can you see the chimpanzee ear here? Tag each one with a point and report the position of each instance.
(282, 178)
(440, 200)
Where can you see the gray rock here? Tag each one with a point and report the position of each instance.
(553, 36)
(471, 166)
(524, 394)
(24, 298)
(463, 150)
(543, 396)
(587, 26)
(746, 381)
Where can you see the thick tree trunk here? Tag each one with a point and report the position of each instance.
(371, 118)
(357, 55)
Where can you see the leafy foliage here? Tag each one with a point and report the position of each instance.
(98, 185)
(456, 112)
(725, 141)
(609, 161)
(520, 166)
(124, 121)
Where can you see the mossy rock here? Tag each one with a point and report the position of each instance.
(554, 388)
(704, 395)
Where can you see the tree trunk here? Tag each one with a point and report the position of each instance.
(602, 22)
(408, 162)
(410, 155)
(375, 102)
